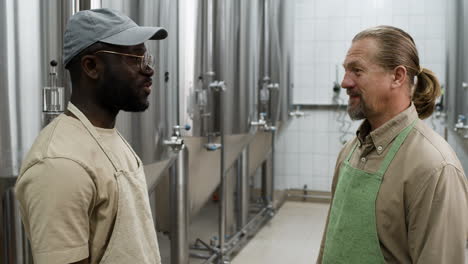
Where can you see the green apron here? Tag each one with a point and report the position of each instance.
(352, 230)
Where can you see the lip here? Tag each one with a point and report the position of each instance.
(147, 86)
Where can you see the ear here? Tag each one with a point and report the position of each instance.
(399, 76)
(91, 66)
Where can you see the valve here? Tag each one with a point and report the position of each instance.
(262, 123)
(176, 142)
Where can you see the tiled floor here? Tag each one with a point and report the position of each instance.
(292, 236)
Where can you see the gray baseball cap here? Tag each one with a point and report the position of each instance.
(104, 25)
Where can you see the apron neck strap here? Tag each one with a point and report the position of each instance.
(395, 147)
(351, 153)
(85, 121)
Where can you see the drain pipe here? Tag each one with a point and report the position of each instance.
(179, 193)
(219, 87)
(242, 189)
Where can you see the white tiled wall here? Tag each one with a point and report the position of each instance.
(324, 29)
(308, 148)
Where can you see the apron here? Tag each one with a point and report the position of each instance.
(133, 238)
(352, 230)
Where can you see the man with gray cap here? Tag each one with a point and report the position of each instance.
(82, 189)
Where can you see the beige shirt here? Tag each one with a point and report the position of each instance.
(67, 191)
(422, 204)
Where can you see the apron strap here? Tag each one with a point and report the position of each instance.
(85, 121)
(351, 153)
(395, 147)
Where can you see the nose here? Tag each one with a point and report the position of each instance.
(347, 82)
(148, 71)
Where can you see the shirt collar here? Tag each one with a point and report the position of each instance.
(384, 135)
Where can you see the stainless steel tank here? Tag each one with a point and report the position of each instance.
(146, 131)
(219, 41)
(30, 37)
(277, 61)
(20, 113)
(221, 44)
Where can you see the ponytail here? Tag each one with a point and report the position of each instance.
(426, 91)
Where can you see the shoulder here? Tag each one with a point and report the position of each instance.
(429, 150)
(63, 139)
(56, 175)
(428, 162)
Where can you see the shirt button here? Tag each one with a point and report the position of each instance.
(363, 159)
(379, 148)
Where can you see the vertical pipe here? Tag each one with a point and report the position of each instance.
(179, 209)
(242, 189)
(16, 249)
(266, 42)
(209, 38)
(272, 172)
(223, 187)
(265, 195)
(268, 175)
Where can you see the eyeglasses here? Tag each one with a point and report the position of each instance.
(146, 60)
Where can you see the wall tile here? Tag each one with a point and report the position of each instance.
(417, 26)
(401, 22)
(435, 27)
(400, 7)
(322, 31)
(353, 8)
(352, 27)
(336, 28)
(435, 7)
(434, 51)
(417, 7)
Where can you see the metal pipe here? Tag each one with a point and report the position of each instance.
(209, 38)
(179, 208)
(235, 240)
(223, 186)
(17, 249)
(272, 179)
(266, 42)
(242, 189)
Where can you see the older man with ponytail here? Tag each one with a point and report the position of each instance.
(399, 191)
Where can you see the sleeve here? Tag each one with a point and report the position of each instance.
(438, 218)
(56, 197)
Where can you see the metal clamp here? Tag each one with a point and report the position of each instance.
(297, 113)
(176, 142)
(218, 85)
(262, 123)
(461, 126)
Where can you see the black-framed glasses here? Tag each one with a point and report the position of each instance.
(146, 60)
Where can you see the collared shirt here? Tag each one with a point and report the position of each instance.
(422, 204)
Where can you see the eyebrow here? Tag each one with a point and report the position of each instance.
(351, 64)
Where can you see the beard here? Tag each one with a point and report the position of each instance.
(357, 112)
(118, 94)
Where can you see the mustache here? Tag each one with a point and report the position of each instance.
(353, 93)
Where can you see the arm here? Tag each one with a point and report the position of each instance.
(438, 218)
(56, 197)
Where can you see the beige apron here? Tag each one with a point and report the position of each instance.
(133, 238)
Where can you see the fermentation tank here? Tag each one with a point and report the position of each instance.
(147, 131)
(30, 38)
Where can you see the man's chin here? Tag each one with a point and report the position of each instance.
(136, 108)
(356, 113)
